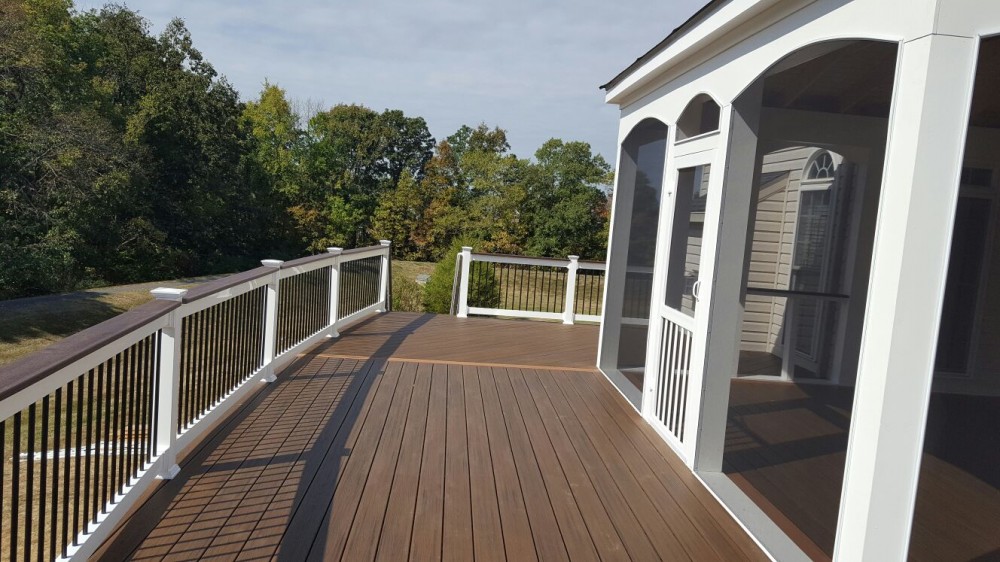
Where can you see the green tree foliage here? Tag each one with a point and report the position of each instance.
(567, 200)
(439, 288)
(354, 157)
(125, 157)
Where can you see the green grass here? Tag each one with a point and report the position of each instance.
(407, 294)
(29, 325)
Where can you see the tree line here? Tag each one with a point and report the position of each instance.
(125, 157)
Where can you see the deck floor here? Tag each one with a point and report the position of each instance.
(787, 447)
(373, 449)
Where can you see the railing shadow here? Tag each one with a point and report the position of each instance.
(305, 531)
(165, 518)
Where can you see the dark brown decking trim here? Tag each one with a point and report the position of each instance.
(460, 363)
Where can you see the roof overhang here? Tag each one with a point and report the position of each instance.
(714, 20)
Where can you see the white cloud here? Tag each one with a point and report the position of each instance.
(531, 67)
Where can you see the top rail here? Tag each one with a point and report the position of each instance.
(29, 370)
(216, 286)
(536, 261)
(528, 287)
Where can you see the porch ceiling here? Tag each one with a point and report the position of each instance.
(855, 79)
(985, 102)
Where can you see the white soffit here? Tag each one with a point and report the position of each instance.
(726, 18)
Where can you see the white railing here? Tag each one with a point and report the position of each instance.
(569, 290)
(91, 422)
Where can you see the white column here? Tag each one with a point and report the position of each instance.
(334, 291)
(271, 319)
(569, 310)
(927, 132)
(167, 408)
(386, 272)
(463, 283)
(721, 294)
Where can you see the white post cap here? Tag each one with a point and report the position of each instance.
(334, 250)
(573, 258)
(168, 294)
(385, 242)
(466, 249)
(272, 263)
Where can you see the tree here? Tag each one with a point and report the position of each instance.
(480, 139)
(354, 157)
(444, 216)
(399, 215)
(567, 201)
(274, 164)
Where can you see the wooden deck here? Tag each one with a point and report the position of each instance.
(393, 443)
(786, 447)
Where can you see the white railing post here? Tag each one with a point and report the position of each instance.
(386, 271)
(271, 319)
(569, 312)
(463, 283)
(167, 409)
(334, 291)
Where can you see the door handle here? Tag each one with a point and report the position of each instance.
(696, 290)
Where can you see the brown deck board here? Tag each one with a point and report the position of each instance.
(425, 543)
(458, 541)
(552, 517)
(517, 531)
(585, 524)
(326, 467)
(618, 509)
(664, 486)
(397, 458)
(363, 538)
(394, 542)
(591, 437)
(411, 336)
(333, 532)
(487, 536)
(712, 520)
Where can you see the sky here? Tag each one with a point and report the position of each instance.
(532, 67)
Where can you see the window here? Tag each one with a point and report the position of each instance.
(821, 168)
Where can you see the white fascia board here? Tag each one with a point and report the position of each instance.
(722, 21)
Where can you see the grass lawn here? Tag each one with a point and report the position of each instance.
(407, 294)
(28, 325)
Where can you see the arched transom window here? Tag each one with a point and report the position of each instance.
(821, 167)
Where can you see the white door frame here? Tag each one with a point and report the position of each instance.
(683, 154)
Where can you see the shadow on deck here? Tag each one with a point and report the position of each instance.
(429, 437)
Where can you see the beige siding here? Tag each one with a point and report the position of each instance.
(771, 252)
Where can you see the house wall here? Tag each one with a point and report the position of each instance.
(771, 250)
(723, 56)
(692, 257)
